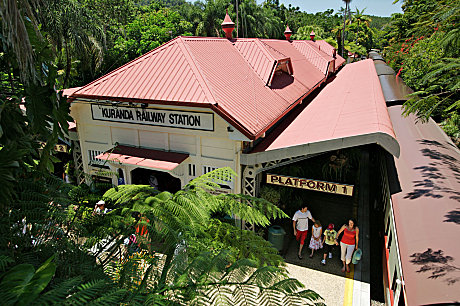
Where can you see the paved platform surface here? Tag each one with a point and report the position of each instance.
(331, 287)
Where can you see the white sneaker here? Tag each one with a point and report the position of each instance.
(330, 255)
(323, 261)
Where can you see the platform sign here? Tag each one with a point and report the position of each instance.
(152, 116)
(310, 184)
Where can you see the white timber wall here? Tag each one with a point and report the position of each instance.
(207, 149)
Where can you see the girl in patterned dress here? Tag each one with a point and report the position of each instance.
(315, 241)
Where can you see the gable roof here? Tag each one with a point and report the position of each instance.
(262, 59)
(150, 76)
(348, 112)
(306, 76)
(325, 47)
(228, 76)
(317, 57)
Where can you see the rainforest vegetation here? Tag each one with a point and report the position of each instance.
(54, 249)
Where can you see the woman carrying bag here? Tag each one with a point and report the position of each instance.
(349, 243)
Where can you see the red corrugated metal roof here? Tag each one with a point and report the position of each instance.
(305, 78)
(69, 91)
(259, 57)
(144, 157)
(238, 90)
(350, 106)
(228, 76)
(325, 47)
(163, 74)
(427, 210)
(339, 61)
(318, 58)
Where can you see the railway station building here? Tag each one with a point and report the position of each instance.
(267, 108)
(196, 104)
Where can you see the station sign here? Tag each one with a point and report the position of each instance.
(310, 184)
(157, 117)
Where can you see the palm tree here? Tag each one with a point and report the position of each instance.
(74, 32)
(347, 3)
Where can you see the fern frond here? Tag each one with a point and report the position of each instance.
(5, 261)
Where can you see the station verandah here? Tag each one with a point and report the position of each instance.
(363, 174)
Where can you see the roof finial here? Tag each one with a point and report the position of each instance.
(228, 26)
(312, 36)
(287, 33)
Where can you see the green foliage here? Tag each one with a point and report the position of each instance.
(270, 193)
(22, 284)
(379, 23)
(451, 126)
(303, 33)
(424, 49)
(148, 31)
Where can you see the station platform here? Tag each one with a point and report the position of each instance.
(336, 287)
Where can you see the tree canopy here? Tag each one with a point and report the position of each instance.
(424, 49)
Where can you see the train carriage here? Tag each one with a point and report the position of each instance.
(421, 205)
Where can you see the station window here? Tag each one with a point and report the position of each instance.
(207, 169)
(191, 170)
(227, 185)
(96, 162)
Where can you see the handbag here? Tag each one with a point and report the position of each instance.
(356, 256)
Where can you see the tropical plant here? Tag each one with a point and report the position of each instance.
(424, 49)
(146, 32)
(186, 254)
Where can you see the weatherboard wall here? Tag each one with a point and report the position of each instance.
(207, 149)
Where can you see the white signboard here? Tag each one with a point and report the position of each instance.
(310, 184)
(152, 116)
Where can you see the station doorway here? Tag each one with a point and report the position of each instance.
(338, 167)
(162, 181)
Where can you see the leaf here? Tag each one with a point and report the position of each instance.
(38, 283)
(14, 282)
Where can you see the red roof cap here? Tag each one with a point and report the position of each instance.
(227, 20)
(228, 26)
(287, 33)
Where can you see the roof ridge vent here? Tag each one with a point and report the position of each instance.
(228, 26)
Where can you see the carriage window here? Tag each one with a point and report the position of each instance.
(390, 236)
(388, 226)
(393, 283)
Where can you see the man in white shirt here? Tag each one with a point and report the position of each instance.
(300, 224)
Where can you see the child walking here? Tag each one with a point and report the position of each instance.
(329, 237)
(315, 241)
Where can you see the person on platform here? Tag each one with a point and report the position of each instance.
(348, 243)
(329, 241)
(153, 181)
(300, 225)
(99, 208)
(315, 241)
